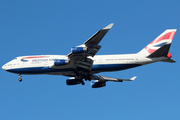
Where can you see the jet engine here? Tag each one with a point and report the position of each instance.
(76, 50)
(59, 62)
(73, 81)
(98, 84)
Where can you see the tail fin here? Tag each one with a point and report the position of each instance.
(160, 46)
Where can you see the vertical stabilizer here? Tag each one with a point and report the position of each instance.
(160, 46)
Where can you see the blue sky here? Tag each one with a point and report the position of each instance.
(40, 27)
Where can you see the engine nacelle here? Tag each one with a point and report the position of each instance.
(76, 50)
(98, 84)
(72, 81)
(59, 62)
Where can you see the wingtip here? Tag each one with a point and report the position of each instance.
(133, 78)
(109, 26)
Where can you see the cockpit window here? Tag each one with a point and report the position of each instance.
(15, 58)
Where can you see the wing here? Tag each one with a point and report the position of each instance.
(105, 79)
(79, 54)
(100, 81)
(92, 43)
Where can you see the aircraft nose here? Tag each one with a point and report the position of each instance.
(4, 67)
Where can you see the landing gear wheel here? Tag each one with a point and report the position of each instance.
(82, 83)
(20, 79)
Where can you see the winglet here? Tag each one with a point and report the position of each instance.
(109, 26)
(133, 78)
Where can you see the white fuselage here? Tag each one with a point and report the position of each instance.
(82, 63)
(44, 64)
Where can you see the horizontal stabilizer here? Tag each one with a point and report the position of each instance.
(169, 61)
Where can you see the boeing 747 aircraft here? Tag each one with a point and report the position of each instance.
(82, 64)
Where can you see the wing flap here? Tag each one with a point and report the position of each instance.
(94, 50)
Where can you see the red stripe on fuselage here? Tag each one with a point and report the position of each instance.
(31, 57)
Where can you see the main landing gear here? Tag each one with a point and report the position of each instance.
(80, 79)
(20, 79)
(83, 76)
(82, 82)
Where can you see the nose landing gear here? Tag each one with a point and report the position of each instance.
(20, 79)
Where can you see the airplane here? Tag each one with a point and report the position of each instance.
(82, 63)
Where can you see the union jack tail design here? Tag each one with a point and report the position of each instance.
(161, 43)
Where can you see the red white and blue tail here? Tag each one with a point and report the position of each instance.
(160, 46)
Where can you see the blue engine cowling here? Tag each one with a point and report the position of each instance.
(76, 50)
(59, 62)
(98, 84)
(72, 81)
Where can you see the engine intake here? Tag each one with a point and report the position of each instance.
(59, 62)
(98, 84)
(76, 50)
